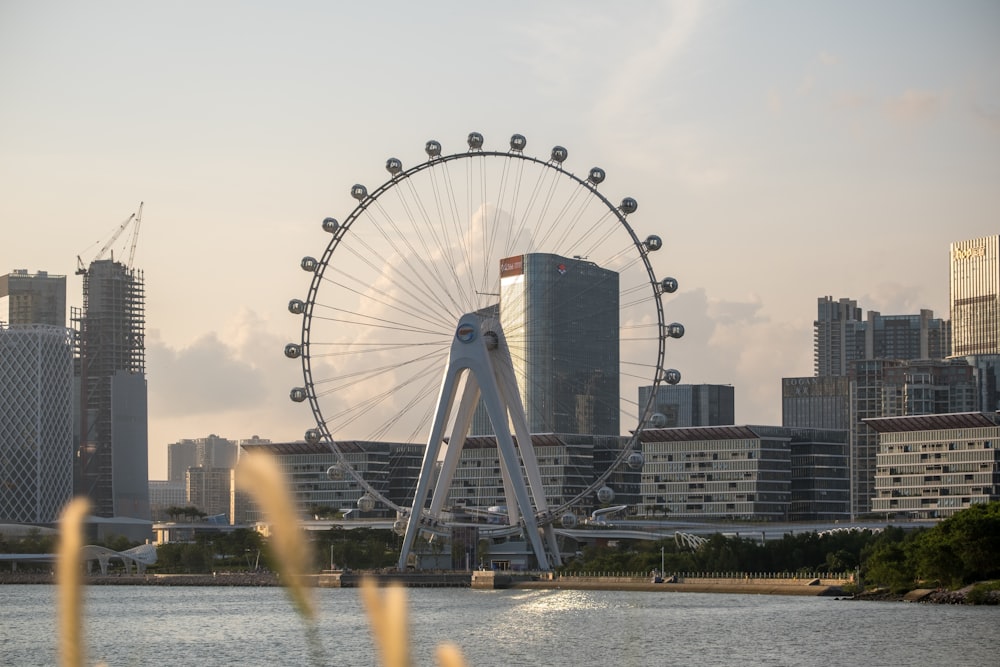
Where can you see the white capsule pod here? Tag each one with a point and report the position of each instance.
(596, 176)
(559, 154)
(672, 376)
(433, 148)
(309, 264)
(393, 166)
(653, 243)
(366, 503)
(568, 520)
(636, 460)
(475, 141)
(675, 330)
(629, 205)
(399, 526)
(657, 420)
(296, 306)
(312, 436)
(605, 495)
(298, 394)
(359, 191)
(669, 285)
(330, 225)
(518, 142)
(293, 351)
(335, 473)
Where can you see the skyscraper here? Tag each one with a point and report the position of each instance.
(36, 422)
(560, 319)
(34, 299)
(842, 337)
(692, 404)
(113, 451)
(975, 296)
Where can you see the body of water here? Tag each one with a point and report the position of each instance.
(151, 625)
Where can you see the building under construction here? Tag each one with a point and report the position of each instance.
(112, 457)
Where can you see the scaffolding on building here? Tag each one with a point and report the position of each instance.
(110, 338)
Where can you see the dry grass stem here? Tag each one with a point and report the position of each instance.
(260, 475)
(70, 591)
(387, 614)
(449, 655)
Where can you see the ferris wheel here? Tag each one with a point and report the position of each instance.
(482, 293)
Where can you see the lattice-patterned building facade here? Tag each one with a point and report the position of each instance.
(36, 422)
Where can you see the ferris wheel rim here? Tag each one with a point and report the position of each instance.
(397, 179)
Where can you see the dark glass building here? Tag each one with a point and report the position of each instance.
(560, 319)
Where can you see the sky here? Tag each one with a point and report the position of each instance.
(784, 151)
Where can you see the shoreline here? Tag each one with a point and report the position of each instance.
(433, 580)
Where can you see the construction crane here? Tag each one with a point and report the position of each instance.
(137, 217)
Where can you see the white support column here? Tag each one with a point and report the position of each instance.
(473, 351)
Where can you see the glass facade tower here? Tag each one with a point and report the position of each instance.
(975, 296)
(560, 318)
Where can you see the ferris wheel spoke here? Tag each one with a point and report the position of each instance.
(426, 249)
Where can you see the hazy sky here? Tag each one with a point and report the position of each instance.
(783, 150)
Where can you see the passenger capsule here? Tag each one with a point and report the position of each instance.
(629, 205)
(675, 330)
(518, 142)
(399, 526)
(433, 148)
(605, 495)
(672, 376)
(568, 520)
(309, 264)
(636, 460)
(596, 176)
(366, 503)
(330, 225)
(653, 243)
(359, 192)
(669, 285)
(293, 351)
(475, 141)
(296, 306)
(297, 394)
(559, 154)
(658, 420)
(312, 436)
(335, 473)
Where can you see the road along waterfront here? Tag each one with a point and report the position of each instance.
(220, 625)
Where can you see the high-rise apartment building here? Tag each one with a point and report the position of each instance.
(36, 422)
(112, 455)
(842, 337)
(560, 319)
(209, 452)
(691, 404)
(34, 299)
(835, 338)
(975, 296)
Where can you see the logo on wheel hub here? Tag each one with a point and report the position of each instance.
(466, 333)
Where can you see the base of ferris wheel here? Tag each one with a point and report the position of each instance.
(480, 357)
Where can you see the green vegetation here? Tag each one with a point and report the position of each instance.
(958, 551)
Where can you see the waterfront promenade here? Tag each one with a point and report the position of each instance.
(485, 580)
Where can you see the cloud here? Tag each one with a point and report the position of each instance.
(827, 58)
(205, 377)
(735, 342)
(891, 298)
(914, 107)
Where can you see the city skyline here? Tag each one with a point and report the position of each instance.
(782, 152)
